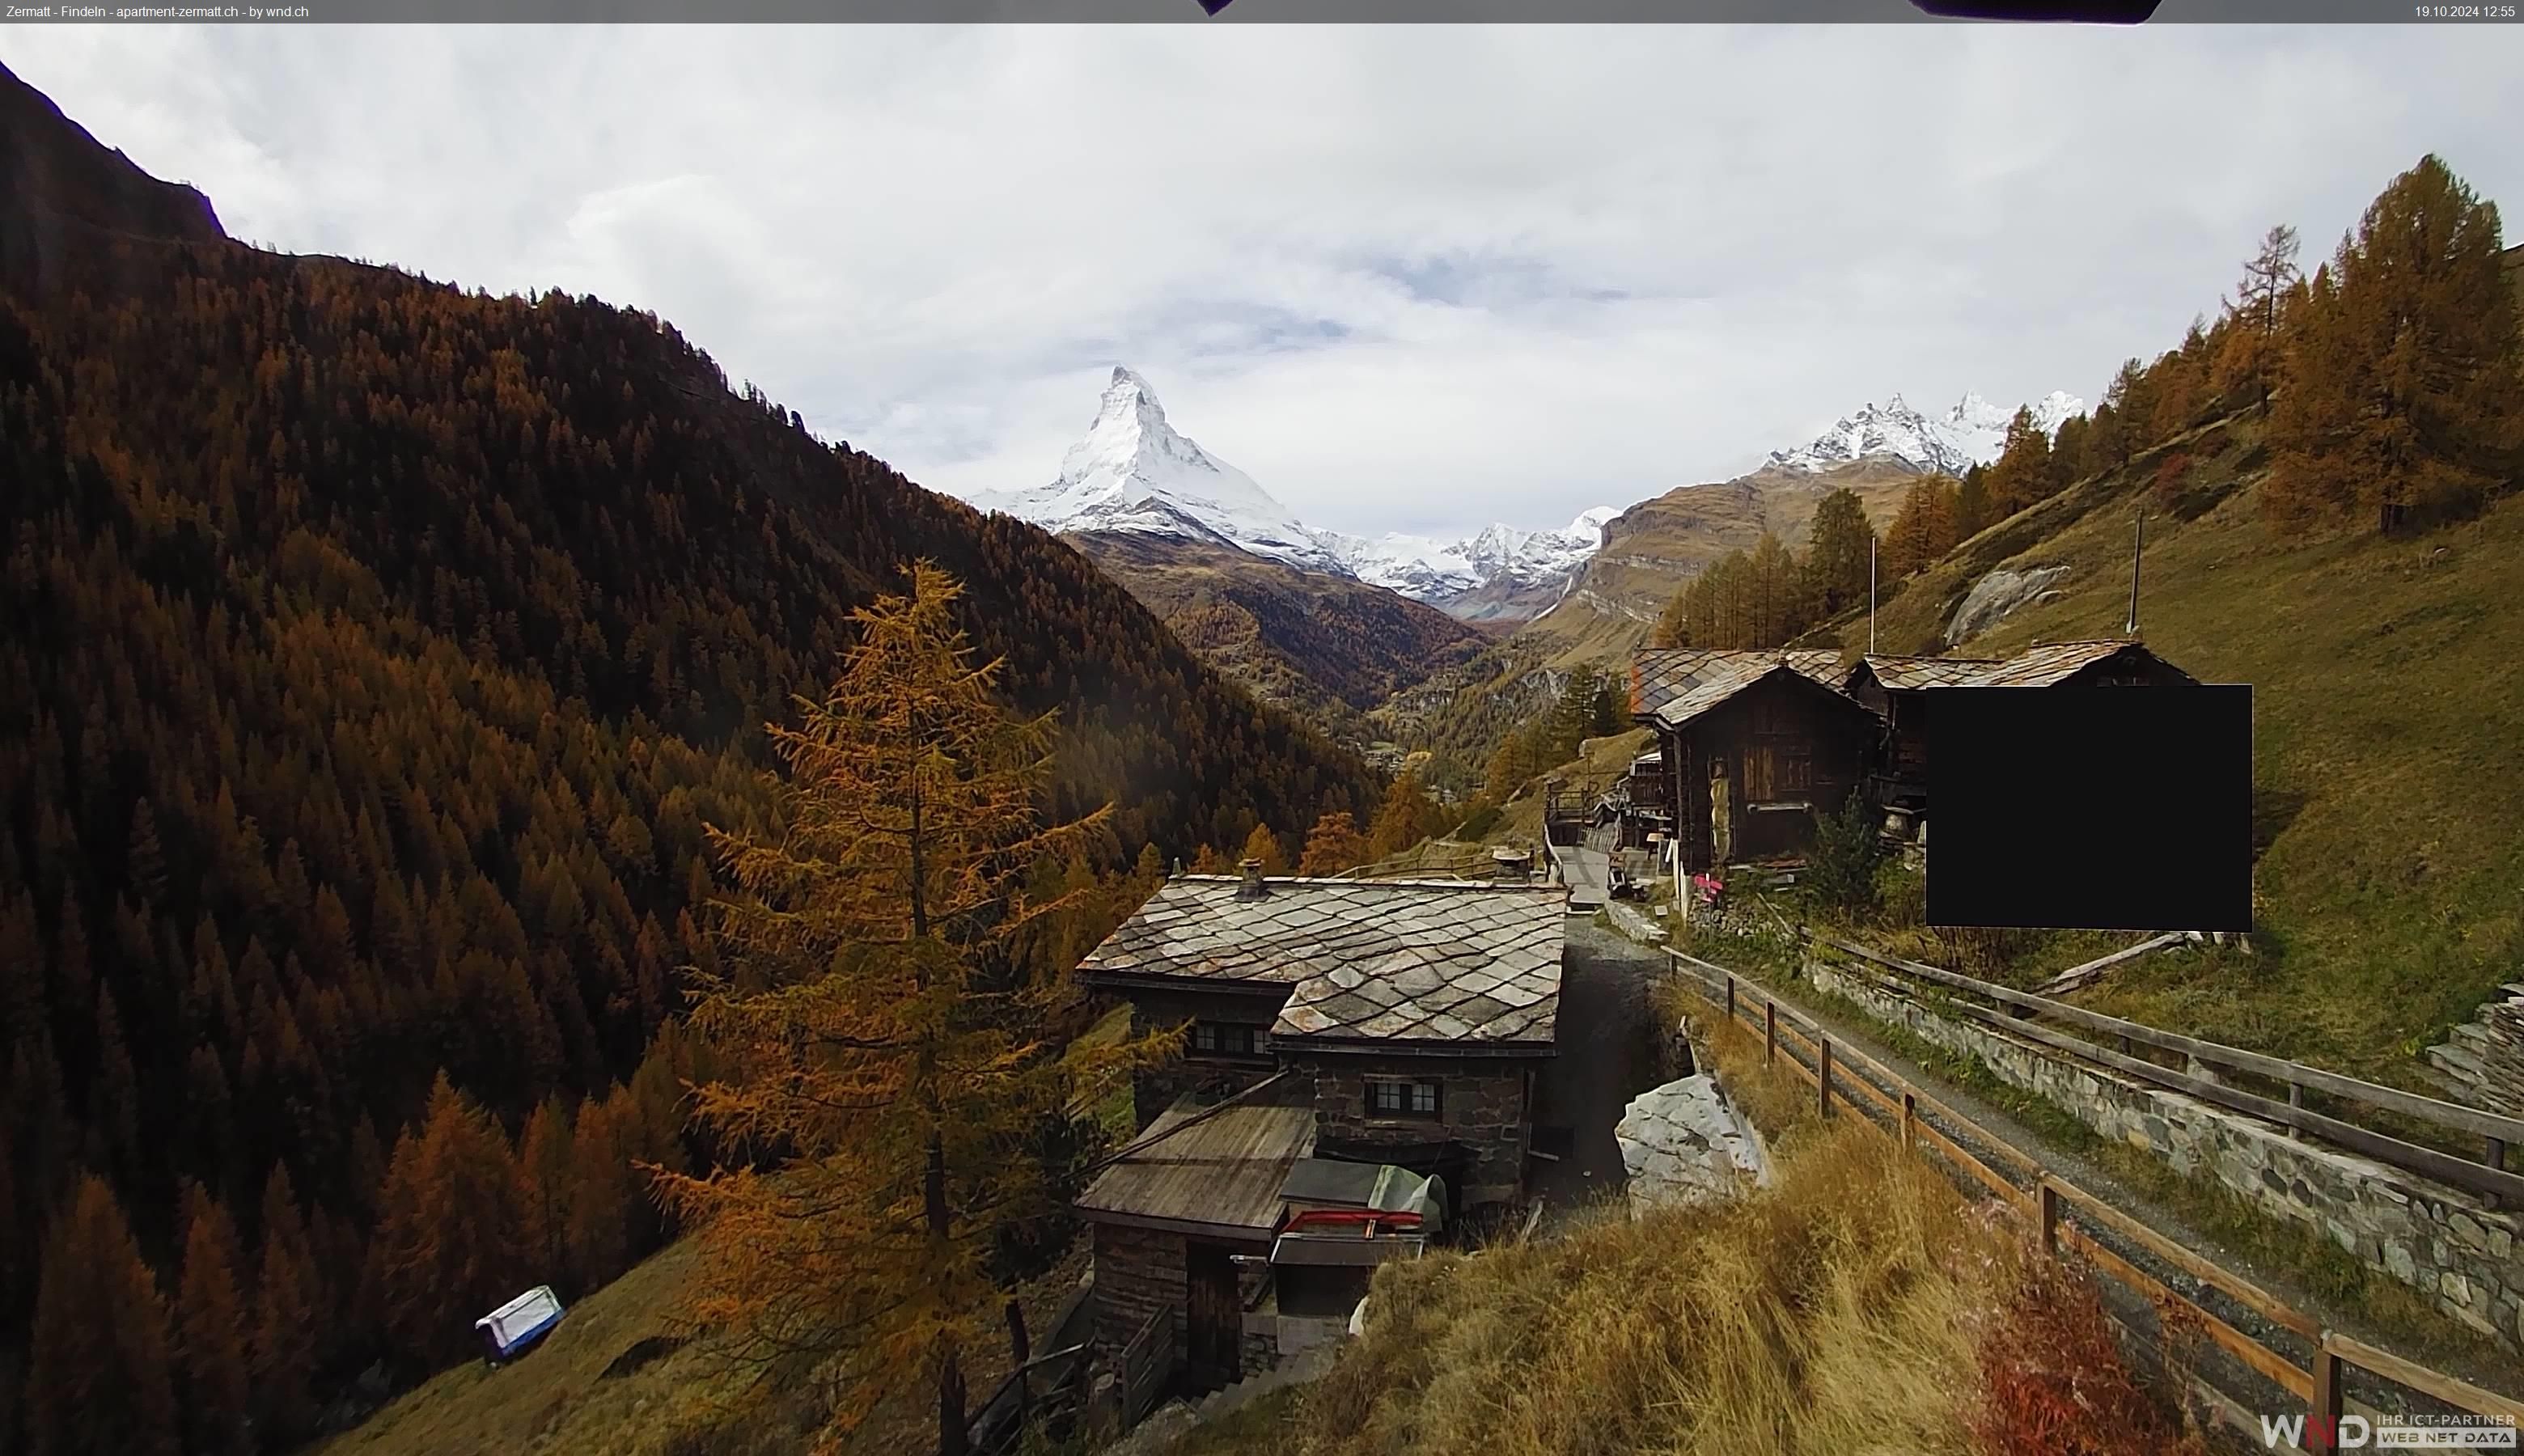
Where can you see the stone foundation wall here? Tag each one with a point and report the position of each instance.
(2465, 1258)
(2483, 1060)
(1481, 1107)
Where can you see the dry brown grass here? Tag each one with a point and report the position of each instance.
(1829, 1314)
(1860, 1305)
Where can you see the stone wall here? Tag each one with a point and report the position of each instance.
(2483, 1060)
(1140, 1271)
(1481, 1106)
(2465, 1258)
(1156, 1089)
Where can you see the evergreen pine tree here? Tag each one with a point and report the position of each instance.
(288, 1302)
(1264, 846)
(1334, 845)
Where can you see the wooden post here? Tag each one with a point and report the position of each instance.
(1021, 1348)
(1910, 1115)
(1770, 1031)
(1731, 1000)
(2322, 1425)
(2045, 1197)
(1823, 1074)
(2495, 1157)
(2296, 1098)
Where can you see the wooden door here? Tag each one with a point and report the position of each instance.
(1214, 1318)
(1760, 773)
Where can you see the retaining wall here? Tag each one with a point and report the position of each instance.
(2483, 1060)
(2465, 1258)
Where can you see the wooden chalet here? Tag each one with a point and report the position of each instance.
(1385, 1023)
(1755, 743)
(1897, 688)
(1901, 689)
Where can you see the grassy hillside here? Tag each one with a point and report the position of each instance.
(2388, 752)
(616, 1379)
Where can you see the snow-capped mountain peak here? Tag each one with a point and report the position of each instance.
(1133, 472)
(1972, 432)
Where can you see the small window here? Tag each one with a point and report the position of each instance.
(1221, 1038)
(1402, 1098)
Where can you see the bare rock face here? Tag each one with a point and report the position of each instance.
(1688, 1143)
(1995, 597)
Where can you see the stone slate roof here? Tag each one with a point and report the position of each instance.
(1901, 673)
(1660, 675)
(1707, 684)
(2046, 664)
(1395, 960)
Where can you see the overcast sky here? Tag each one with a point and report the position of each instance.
(1412, 278)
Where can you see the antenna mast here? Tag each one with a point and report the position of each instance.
(1871, 592)
(2138, 549)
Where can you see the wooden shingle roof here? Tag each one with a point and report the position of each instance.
(1468, 963)
(1225, 1173)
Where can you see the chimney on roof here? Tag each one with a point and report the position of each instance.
(1254, 886)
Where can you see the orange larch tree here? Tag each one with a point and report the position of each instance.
(885, 1066)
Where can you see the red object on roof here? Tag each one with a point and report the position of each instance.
(1366, 1220)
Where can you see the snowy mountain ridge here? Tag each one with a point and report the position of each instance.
(1972, 432)
(1427, 569)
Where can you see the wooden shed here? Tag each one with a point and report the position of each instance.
(1902, 689)
(1759, 745)
(1173, 1218)
(1895, 687)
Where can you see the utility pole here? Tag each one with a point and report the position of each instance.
(2138, 548)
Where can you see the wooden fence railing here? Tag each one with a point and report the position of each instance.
(1148, 1363)
(2055, 1206)
(2012, 1011)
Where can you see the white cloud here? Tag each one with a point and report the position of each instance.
(1408, 277)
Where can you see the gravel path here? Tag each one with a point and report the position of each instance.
(1608, 1038)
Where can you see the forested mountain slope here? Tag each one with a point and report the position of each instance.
(1327, 646)
(371, 657)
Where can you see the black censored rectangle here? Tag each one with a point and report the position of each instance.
(2097, 809)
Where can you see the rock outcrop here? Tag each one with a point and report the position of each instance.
(1688, 1143)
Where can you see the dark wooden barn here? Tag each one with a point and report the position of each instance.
(1757, 746)
(1897, 688)
(1900, 689)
